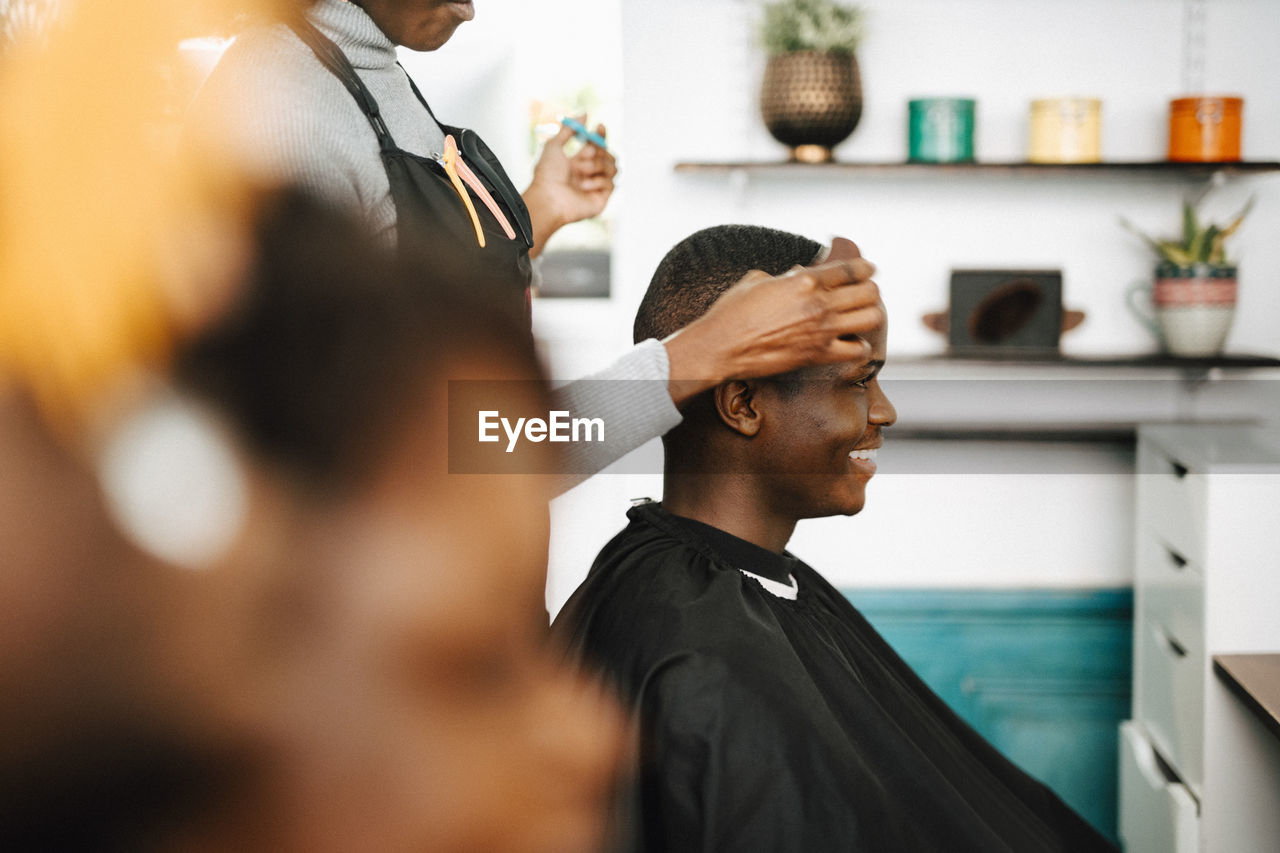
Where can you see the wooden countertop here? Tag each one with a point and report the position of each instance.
(1256, 680)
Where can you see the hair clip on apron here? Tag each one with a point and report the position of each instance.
(469, 178)
(449, 160)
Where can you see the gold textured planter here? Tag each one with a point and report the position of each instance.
(811, 101)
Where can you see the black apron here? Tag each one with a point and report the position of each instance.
(430, 214)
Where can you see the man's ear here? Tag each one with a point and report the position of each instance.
(736, 406)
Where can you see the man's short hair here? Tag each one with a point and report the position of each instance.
(707, 263)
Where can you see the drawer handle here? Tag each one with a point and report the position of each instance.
(1175, 558)
(1179, 650)
(1179, 470)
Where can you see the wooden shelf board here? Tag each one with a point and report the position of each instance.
(1084, 432)
(1154, 168)
(1153, 360)
(1255, 679)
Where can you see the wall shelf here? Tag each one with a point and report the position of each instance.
(1097, 400)
(1155, 361)
(1157, 168)
(1124, 434)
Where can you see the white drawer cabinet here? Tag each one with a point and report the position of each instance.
(1206, 582)
(1160, 812)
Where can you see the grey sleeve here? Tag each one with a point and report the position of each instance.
(631, 397)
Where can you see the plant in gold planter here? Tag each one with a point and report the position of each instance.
(811, 99)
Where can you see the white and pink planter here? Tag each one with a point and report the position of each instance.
(1190, 307)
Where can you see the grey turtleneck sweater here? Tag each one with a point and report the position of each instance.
(287, 118)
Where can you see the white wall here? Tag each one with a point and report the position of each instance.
(691, 74)
(691, 77)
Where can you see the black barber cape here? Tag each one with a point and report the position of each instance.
(767, 724)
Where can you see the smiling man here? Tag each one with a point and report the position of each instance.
(771, 715)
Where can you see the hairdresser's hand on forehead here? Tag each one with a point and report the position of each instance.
(765, 324)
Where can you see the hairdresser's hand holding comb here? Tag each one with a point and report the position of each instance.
(765, 325)
(568, 189)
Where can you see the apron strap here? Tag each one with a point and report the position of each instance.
(421, 100)
(332, 58)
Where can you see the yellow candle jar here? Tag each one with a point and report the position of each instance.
(1066, 130)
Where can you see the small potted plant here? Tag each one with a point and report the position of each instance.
(811, 99)
(1194, 292)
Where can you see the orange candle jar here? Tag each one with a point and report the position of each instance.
(1205, 129)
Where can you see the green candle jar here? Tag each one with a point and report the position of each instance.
(940, 130)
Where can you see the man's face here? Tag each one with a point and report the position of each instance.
(820, 433)
(419, 24)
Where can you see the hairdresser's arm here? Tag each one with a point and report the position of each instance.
(630, 396)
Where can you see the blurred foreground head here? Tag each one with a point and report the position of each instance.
(368, 667)
(365, 666)
(425, 707)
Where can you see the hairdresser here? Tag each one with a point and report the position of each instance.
(321, 102)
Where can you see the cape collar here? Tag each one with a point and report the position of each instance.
(746, 557)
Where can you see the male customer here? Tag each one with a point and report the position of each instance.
(771, 716)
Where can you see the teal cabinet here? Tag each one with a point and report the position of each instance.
(1044, 675)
